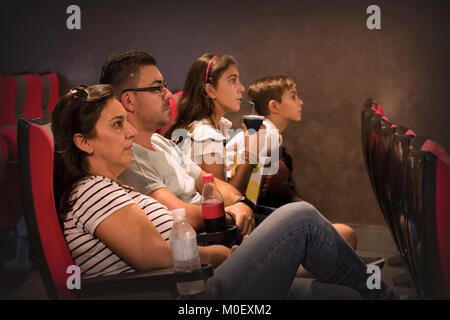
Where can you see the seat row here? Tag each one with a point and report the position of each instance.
(410, 176)
(21, 96)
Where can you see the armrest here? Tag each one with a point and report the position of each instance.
(226, 237)
(264, 210)
(138, 282)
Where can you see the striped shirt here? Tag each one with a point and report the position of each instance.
(96, 198)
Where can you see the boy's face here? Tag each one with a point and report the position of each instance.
(290, 107)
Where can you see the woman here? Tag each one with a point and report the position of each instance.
(92, 147)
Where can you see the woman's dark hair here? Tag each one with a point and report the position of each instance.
(76, 112)
(195, 103)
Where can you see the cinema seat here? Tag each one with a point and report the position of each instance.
(7, 100)
(49, 248)
(10, 206)
(428, 217)
(50, 95)
(397, 185)
(410, 177)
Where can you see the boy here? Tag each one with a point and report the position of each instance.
(277, 100)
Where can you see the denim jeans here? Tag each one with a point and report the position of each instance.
(265, 264)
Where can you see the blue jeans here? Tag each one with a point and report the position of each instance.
(265, 265)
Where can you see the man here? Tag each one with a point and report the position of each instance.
(159, 169)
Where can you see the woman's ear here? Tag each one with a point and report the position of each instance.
(82, 143)
(128, 102)
(273, 107)
(210, 91)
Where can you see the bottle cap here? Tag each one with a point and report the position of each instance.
(178, 213)
(208, 178)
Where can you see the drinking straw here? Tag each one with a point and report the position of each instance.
(253, 106)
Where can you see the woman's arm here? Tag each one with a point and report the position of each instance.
(132, 236)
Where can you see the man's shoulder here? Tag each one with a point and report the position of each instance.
(162, 142)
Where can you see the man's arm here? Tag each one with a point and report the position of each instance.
(193, 212)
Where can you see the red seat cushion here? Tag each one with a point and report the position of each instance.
(7, 100)
(54, 246)
(33, 100)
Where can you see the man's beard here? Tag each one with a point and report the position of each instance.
(165, 121)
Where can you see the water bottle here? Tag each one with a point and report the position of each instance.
(183, 241)
(212, 206)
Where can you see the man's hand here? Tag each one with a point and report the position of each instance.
(243, 215)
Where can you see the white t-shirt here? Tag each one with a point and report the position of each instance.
(97, 198)
(206, 143)
(167, 168)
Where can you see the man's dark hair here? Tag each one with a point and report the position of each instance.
(121, 70)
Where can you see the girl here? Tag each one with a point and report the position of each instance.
(212, 89)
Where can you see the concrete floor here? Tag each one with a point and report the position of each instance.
(373, 241)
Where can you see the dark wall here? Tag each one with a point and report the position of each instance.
(323, 45)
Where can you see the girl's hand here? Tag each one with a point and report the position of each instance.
(251, 143)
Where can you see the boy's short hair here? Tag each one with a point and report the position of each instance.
(269, 88)
(121, 69)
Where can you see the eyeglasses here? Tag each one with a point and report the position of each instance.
(159, 88)
(79, 93)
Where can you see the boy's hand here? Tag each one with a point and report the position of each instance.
(266, 184)
(233, 248)
(283, 171)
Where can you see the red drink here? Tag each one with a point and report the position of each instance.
(214, 215)
(212, 206)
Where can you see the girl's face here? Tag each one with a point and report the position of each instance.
(111, 146)
(227, 95)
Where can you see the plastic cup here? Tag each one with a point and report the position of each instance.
(253, 121)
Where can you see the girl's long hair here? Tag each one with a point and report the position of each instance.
(195, 103)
